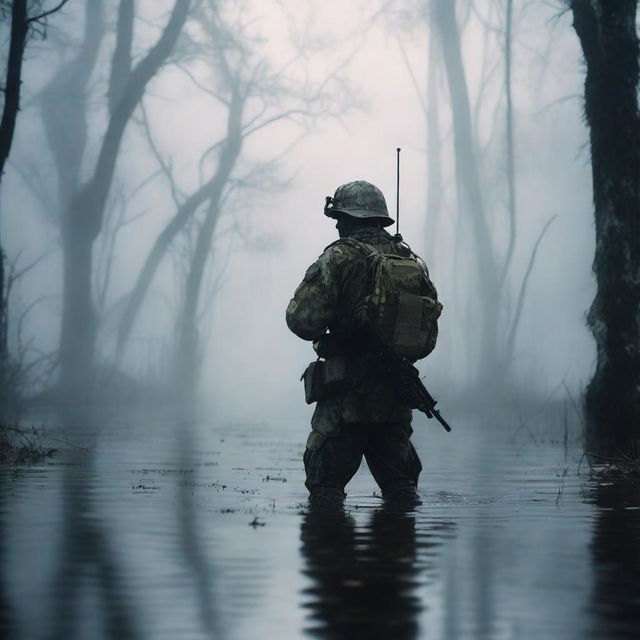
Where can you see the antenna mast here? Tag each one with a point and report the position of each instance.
(398, 191)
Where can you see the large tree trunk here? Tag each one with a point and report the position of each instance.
(4, 346)
(79, 327)
(64, 100)
(19, 28)
(607, 33)
(491, 365)
(84, 217)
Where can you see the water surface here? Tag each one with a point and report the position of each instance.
(199, 530)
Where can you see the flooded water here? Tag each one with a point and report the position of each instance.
(203, 531)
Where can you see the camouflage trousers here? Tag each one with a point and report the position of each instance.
(331, 461)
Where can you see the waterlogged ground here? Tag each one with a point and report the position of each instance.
(166, 530)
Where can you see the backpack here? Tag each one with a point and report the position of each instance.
(402, 309)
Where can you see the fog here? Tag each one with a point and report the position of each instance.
(163, 198)
(365, 68)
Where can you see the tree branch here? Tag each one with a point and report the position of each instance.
(47, 13)
(523, 287)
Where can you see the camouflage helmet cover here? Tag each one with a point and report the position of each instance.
(358, 199)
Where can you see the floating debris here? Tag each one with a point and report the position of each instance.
(274, 479)
(144, 487)
(257, 523)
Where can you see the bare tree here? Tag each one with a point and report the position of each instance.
(607, 33)
(473, 203)
(254, 96)
(83, 219)
(24, 16)
(491, 322)
(65, 99)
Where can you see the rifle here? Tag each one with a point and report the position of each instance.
(406, 380)
(402, 375)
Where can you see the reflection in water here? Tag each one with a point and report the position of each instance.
(88, 565)
(84, 553)
(191, 545)
(6, 613)
(365, 578)
(615, 554)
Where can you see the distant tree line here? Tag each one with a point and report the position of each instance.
(608, 35)
(87, 198)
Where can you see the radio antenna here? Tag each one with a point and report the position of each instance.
(398, 191)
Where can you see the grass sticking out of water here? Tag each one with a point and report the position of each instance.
(22, 446)
(613, 467)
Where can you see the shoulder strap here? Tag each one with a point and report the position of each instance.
(353, 243)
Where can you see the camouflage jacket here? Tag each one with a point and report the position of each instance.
(324, 301)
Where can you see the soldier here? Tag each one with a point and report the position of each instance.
(363, 416)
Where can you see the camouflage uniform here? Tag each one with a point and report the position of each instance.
(366, 418)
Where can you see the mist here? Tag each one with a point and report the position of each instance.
(270, 226)
(162, 200)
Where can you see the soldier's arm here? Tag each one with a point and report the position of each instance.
(313, 306)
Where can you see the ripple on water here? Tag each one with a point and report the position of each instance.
(206, 533)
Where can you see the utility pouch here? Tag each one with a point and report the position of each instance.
(313, 382)
(323, 378)
(334, 374)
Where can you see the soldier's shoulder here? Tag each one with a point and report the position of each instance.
(343, 249)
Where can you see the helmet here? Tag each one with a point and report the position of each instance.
(359, 199)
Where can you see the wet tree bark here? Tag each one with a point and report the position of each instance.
(85, 214)
(4, 346)
(491, 364)
(19, 29)
(607, 33)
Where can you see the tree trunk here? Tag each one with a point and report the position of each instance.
(186, 359)
(157, 253)
(64, 100)
(490, 363)
(4, 347)
(434, 141)
(211, 191)
(86, 210)
(607, 33)
(511, 172)
(79, 327)
(186, 366)
(19, 27)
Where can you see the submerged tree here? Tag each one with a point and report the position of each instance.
(609, 40)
